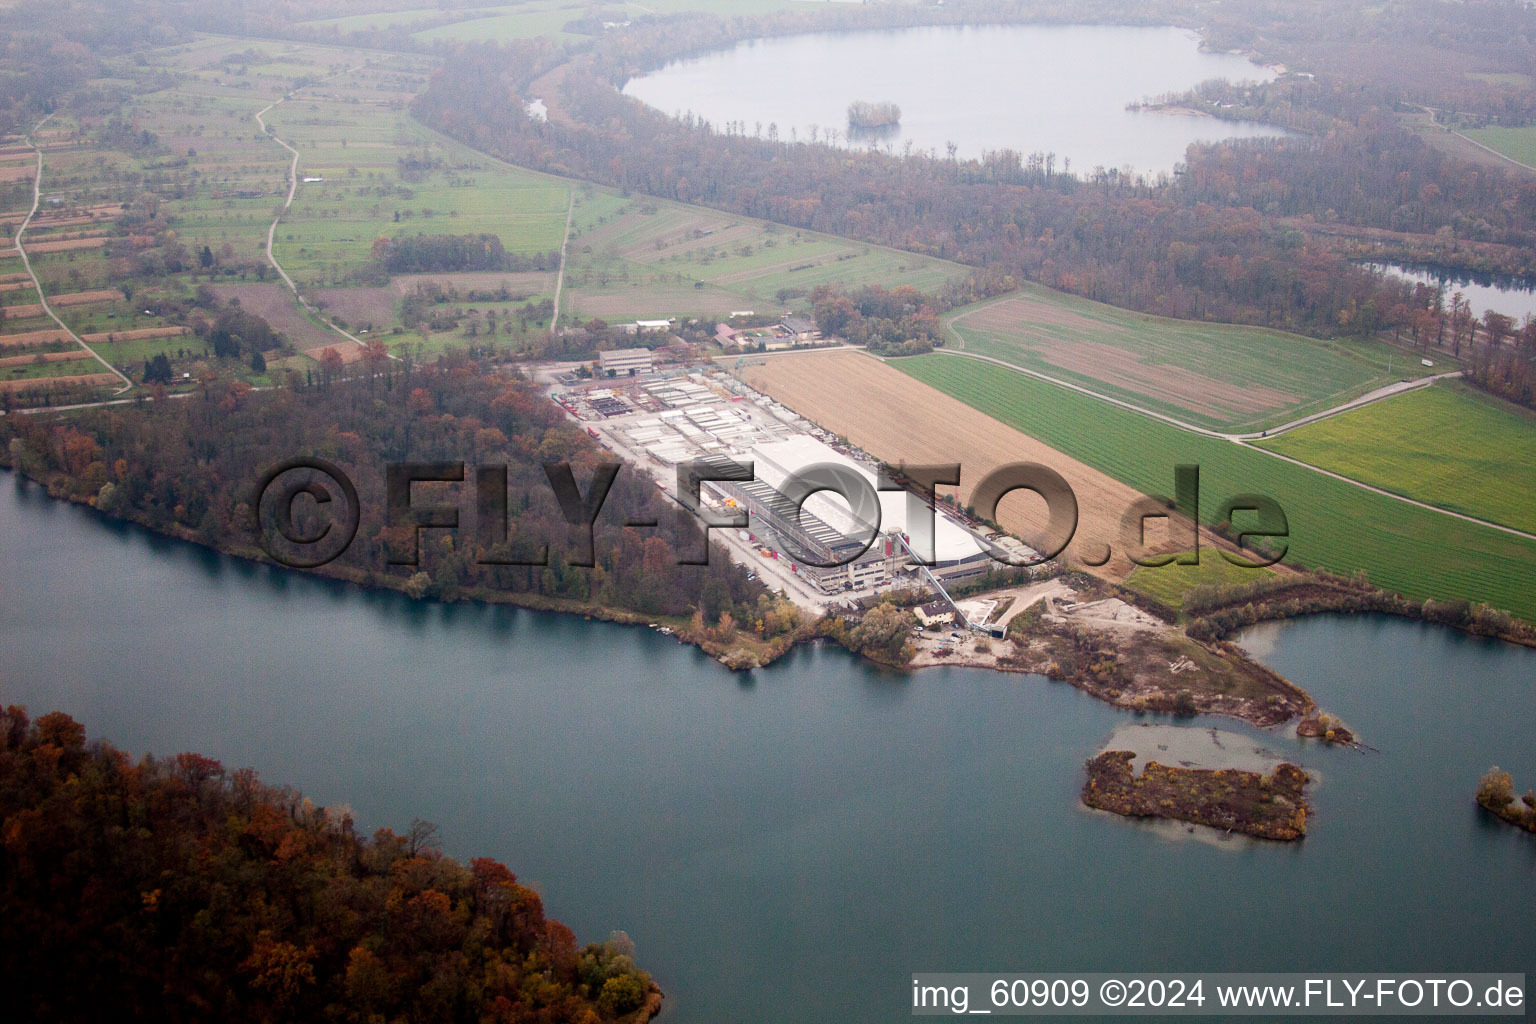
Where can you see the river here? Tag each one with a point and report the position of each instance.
(791, 844)
(1059, 89)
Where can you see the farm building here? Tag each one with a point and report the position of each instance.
(627, 361)
(801, 328)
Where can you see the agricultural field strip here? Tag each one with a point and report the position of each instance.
(1230, 378)
(1244, 439)
(565, 240)
(37, 198)
(293, 187)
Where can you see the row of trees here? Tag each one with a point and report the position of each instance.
(428, 254)
(178, 890)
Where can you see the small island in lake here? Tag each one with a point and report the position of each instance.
(1496, 792)
(868, 116)
(1267, 806)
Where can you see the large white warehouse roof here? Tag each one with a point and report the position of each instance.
(775, 461)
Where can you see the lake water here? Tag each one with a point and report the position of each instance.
(789, 845)
(1512, 296)
(1046, 88)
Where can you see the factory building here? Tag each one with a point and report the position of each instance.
(827, 527)
(625, 361)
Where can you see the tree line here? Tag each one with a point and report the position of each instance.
(177, 889)
(429, 254)
(187, 468)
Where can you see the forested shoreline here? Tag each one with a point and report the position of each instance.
(188, 467)
(176, 889)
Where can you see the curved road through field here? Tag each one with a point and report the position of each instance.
(37, 199)
(293, 188)
(1355, 403)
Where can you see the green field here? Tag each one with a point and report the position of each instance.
(380, 20)
(639, 258)
(1171, 583)
(1515, 143)
(40, 371)
(1219, 376)
(1446, 445)
(549, 17)
(1333, 524)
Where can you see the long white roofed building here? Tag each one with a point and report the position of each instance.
(828, 525)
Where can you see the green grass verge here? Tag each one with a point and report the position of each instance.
(1170, 584)
(1446, 445)
(1333, 524)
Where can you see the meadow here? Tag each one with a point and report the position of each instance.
(1333, 524)
(1220, 376)
(1515, 143)
(386, 175)
(549, 18)
(1446, 445)
(641, 257)
(1171, 583)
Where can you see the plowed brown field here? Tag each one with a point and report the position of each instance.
(898, 419)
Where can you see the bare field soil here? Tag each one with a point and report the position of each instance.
(898, 419)
(42, 383)
(135, 335)
(528, 282)
(86, 298)
(653, 300)
(357, 305)
(46, 357)
(70, 220)
(32, 338)
(70, 245)
(274, 304)
(348, 352)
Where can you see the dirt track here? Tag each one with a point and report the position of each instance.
(898, 419)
